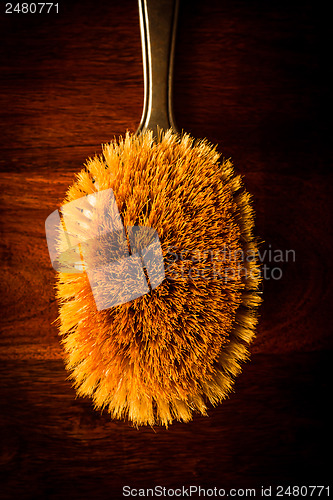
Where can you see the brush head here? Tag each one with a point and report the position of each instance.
(165, 354)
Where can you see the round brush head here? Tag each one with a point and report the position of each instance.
(168, 352)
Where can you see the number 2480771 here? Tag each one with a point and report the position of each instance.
(31, 8)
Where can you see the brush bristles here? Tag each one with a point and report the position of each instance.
(164, 355)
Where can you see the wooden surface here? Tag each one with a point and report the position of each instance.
(250, 76)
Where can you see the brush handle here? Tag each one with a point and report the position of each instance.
(158, 20)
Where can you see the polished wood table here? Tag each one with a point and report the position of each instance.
(250, 76)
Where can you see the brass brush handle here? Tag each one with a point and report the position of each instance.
(158, 20)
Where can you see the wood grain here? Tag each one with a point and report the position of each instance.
(250, 76)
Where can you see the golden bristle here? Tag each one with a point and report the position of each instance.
(164, 355)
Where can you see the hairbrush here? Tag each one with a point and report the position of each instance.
(157, 270)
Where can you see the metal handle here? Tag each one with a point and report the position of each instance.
(158, 19)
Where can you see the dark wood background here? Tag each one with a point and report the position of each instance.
(251, 76)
